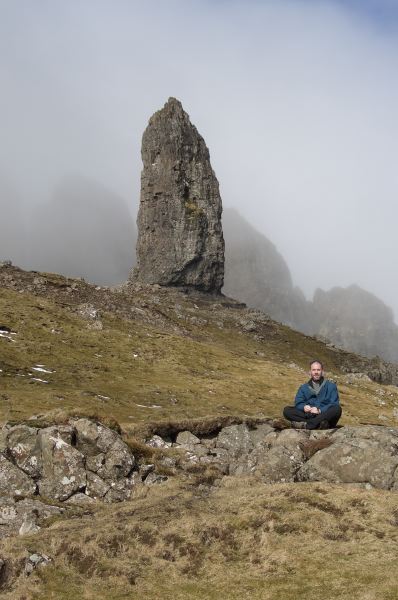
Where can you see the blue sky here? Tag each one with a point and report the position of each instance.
(383, 12)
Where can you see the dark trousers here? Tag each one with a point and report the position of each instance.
(331, 415)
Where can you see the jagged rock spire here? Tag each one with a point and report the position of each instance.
(180, 240)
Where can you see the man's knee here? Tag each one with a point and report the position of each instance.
(287, 412)
(333, 414)
(336, 411)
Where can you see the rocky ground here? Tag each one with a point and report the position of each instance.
(51, 475)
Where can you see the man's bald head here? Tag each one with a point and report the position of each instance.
(316, 370)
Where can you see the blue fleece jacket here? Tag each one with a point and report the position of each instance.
(326, 396)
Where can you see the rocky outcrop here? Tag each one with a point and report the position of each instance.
(180, 240)
(257, 274)
(354, 319)
(366, 456)
(79, 462)
(83, 461)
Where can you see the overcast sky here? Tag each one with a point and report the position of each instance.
(297, 101)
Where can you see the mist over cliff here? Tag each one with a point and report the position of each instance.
(84, 230)
(256, 273)
(351, 318)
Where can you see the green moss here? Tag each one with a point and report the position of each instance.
(192, 209)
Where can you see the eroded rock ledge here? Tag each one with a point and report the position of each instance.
(362, 455)
(42, 471)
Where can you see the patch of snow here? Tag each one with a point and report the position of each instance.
(103, 397)
(7, 336)
(41, 369)
(38, 379)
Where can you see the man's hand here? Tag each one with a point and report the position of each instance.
(311, 409)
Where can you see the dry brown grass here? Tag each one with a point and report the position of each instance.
(162, 369)
(244, 540)
(310, 447)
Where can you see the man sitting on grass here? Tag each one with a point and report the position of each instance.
(316, 403)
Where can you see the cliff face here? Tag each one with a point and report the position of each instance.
(355, 319)
(180, 239)
(257, 274)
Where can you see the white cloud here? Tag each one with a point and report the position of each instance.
(297, 102)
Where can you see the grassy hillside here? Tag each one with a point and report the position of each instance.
(160, 355)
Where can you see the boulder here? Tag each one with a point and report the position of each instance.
(235, 439)
(79, 499)
(121, 490)
(23, 449)
(96, 487)
(107, 455)
(186, 438)
(258, 434)
(63, 466)
(358, 455)
(22, 516)
(158, 442)
(13, 481)
(279, 465)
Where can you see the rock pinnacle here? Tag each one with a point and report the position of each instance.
(180, 240)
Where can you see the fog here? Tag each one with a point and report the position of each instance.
(297, 101)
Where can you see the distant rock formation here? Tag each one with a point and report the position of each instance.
(180, 240)
(355, 319)
(85, 231)
(256, 273)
